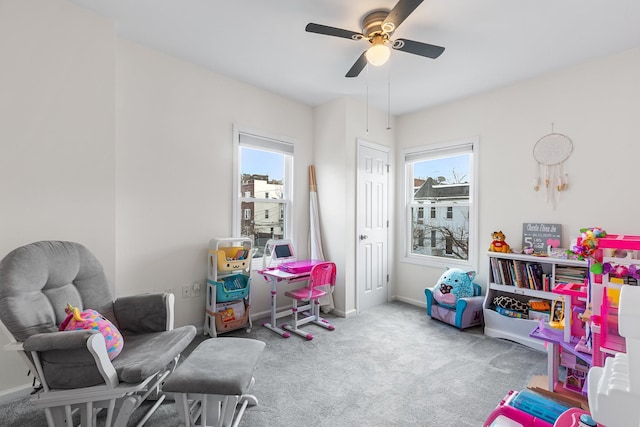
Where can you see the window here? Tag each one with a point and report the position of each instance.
(263, 171)
(447, 184)
(420, 215)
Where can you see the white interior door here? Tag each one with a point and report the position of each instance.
(372, 225)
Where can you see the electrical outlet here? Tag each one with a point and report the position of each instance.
(187, 291)
(196, 289)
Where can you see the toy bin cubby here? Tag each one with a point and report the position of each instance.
(227, 303)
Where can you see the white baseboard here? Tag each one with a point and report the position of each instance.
(15, 393)
(349, 313)
(417, 303)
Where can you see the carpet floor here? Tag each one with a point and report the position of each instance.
(388, 366)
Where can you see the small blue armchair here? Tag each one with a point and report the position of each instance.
(467, 312)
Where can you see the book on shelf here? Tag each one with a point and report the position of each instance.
(566, 274)
(536, 275)
(501, 271)
(521, 274)
(494, 269)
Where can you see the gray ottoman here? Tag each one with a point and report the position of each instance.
(214, 379)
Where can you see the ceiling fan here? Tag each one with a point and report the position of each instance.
(377, 28)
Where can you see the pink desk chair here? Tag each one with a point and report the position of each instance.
(321, 275)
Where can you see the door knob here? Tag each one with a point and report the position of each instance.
(363, 237)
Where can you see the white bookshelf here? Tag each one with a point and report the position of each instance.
(515, 329)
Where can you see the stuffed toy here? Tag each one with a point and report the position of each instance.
(510, 303)
(453, 285)
(91, 319)
(498, 244)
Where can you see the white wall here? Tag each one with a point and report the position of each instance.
(126, 150)
(174, 170)
(338, 127)
(596, 104)
(330, 162)
(56, 135)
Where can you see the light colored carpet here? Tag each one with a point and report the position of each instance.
(388, 366)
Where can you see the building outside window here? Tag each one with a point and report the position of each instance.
(447, 185)
(263, 168)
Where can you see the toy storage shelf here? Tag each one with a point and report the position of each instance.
(559, 349)
(512, 328)
(228, 285)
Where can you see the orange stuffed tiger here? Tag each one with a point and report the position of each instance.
(498, 244)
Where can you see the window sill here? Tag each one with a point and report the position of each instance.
(437, 262)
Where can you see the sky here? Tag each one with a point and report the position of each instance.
(272, 164)
(443, 167)
(263, 163)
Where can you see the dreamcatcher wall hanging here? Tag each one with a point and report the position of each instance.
(550, 153)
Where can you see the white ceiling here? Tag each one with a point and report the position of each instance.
(489, 43)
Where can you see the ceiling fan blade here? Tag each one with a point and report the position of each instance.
(358, 66)
(418, 48)
(399, 13)
(332, 31)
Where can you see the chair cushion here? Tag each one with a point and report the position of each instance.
(303, 294)
(143, 355)
(69, 368)
(217, 366)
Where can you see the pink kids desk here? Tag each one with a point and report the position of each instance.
(289, 272)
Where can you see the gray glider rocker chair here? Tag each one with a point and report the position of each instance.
(37, 281)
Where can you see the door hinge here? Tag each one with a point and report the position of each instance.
(387, 168)
(387, 278)
(387, 223)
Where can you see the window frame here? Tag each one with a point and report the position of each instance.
(247, 137)
(469, 145)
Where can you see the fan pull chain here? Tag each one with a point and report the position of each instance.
(389, 95)
(367, 87)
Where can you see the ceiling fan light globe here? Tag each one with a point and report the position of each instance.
(378, 54)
